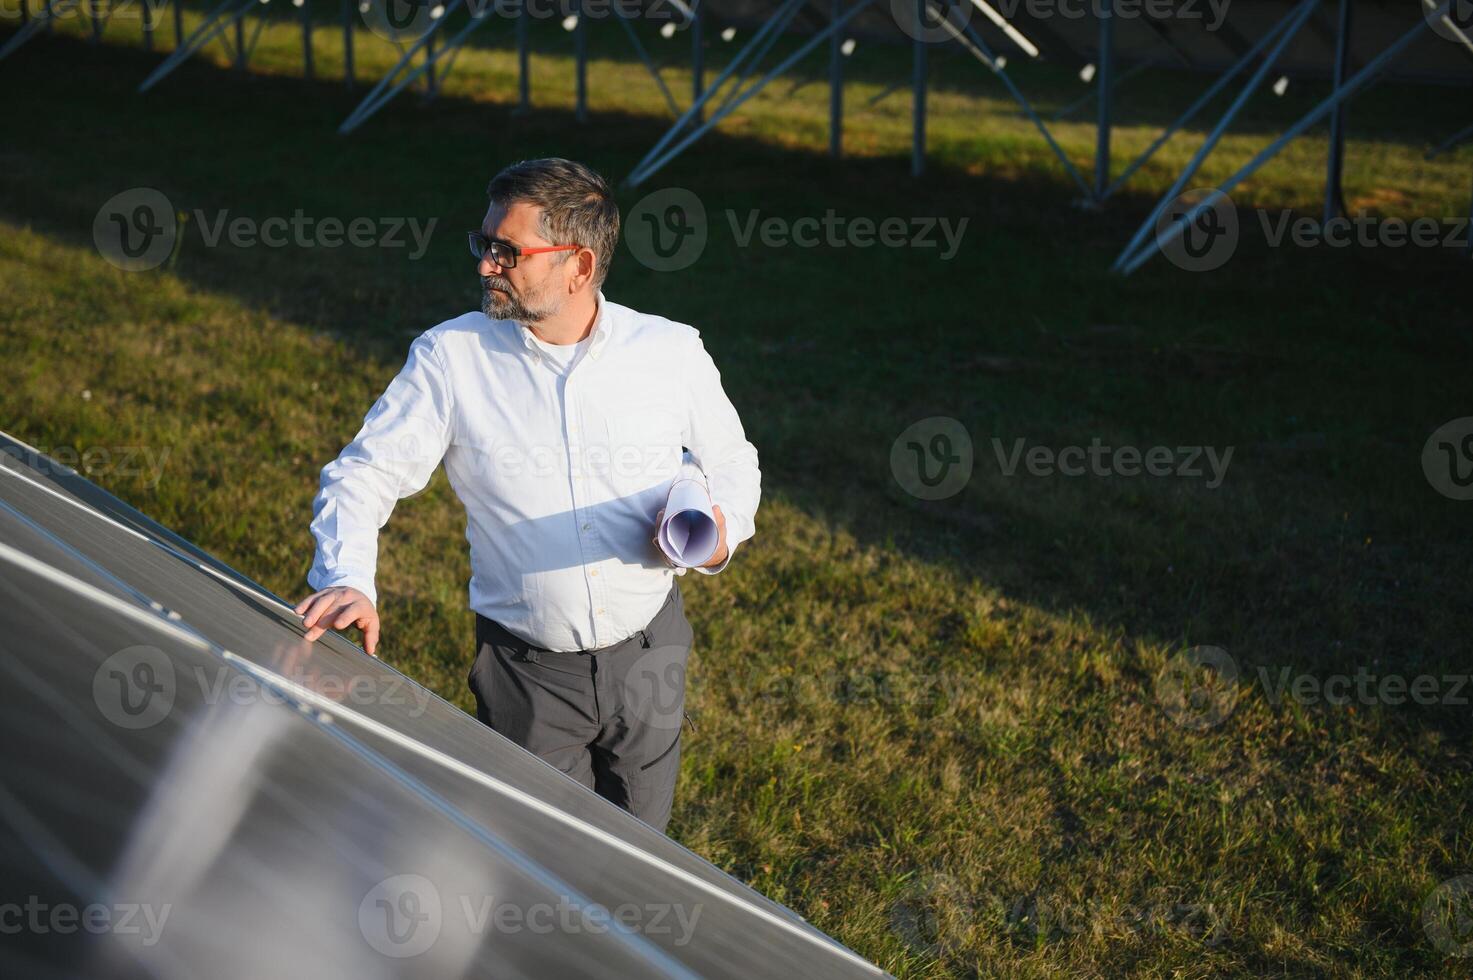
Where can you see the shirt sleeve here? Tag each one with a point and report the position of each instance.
(403, 438)
(716, 440)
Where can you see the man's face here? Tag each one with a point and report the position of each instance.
(536, 289)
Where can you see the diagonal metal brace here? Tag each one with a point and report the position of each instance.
(224, 14)
(1292, 22)
(1351, 86)
(654, 161)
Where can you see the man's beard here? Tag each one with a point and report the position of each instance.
(507, 305)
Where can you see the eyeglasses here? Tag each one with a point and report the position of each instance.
(506, 254)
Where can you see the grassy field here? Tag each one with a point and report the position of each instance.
(934, 728)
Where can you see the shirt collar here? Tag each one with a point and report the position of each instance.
(602, 325)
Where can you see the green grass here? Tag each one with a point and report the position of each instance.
(930, 727)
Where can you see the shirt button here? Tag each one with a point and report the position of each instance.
(587, 526)
(600, 612)
(594, 572)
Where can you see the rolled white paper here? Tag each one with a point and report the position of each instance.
(688, 534)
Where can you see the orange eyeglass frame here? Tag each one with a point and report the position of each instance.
(482, 243)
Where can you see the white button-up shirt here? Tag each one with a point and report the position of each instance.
(561, 476)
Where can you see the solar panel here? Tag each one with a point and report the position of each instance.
(304, 806)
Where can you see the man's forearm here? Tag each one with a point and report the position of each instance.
(402, 440)
(347, 544)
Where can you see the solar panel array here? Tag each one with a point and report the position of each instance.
(191, 789)
(1206, 35)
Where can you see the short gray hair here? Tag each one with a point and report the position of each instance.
(577, 205)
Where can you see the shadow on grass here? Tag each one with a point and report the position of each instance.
(1325, 372)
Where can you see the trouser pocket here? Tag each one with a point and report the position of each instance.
(663, 755)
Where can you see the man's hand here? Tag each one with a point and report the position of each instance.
(717, 557)
(338, 608)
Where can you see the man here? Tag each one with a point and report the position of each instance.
(561, 419)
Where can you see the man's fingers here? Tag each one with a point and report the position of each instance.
(313, 608)
(338, 608)
(325, 618)
(341, 617)
(349, 614)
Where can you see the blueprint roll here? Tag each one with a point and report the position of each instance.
(688, 533)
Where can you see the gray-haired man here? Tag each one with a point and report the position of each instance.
(561, 419)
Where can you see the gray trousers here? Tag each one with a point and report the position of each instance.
(610, 717)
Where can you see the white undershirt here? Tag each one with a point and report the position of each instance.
(561, 357)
